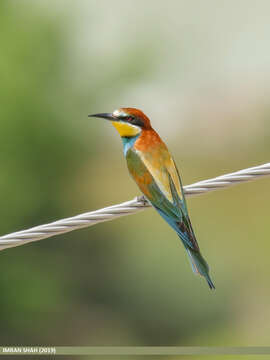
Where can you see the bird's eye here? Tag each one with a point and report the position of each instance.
(130, 118)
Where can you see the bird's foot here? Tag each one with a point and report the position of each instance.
(141, 199)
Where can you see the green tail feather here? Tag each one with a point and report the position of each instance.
(199, 265)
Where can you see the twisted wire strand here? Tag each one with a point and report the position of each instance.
(127, 208)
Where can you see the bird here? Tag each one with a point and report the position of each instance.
(152, 167)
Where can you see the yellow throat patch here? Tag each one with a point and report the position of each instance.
(126, 130)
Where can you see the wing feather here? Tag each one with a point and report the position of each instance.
(159, 163)
(160, 183)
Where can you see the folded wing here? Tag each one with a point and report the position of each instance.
(158, 179)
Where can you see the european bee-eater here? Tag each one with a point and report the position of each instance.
(152, 167)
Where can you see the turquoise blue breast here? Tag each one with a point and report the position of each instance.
(128, 143)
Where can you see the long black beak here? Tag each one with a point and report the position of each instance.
(107, 116)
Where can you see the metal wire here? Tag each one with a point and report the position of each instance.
(126, 208)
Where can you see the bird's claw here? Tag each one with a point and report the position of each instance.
(141, 199)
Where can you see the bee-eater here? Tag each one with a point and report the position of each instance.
(153, 169)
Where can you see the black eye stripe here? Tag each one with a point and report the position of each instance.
(125, 117)
(131, 119)
(138, 122)
(128, 118)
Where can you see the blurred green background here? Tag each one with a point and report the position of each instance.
(201, 71)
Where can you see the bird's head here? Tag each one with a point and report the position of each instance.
(129, 122)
